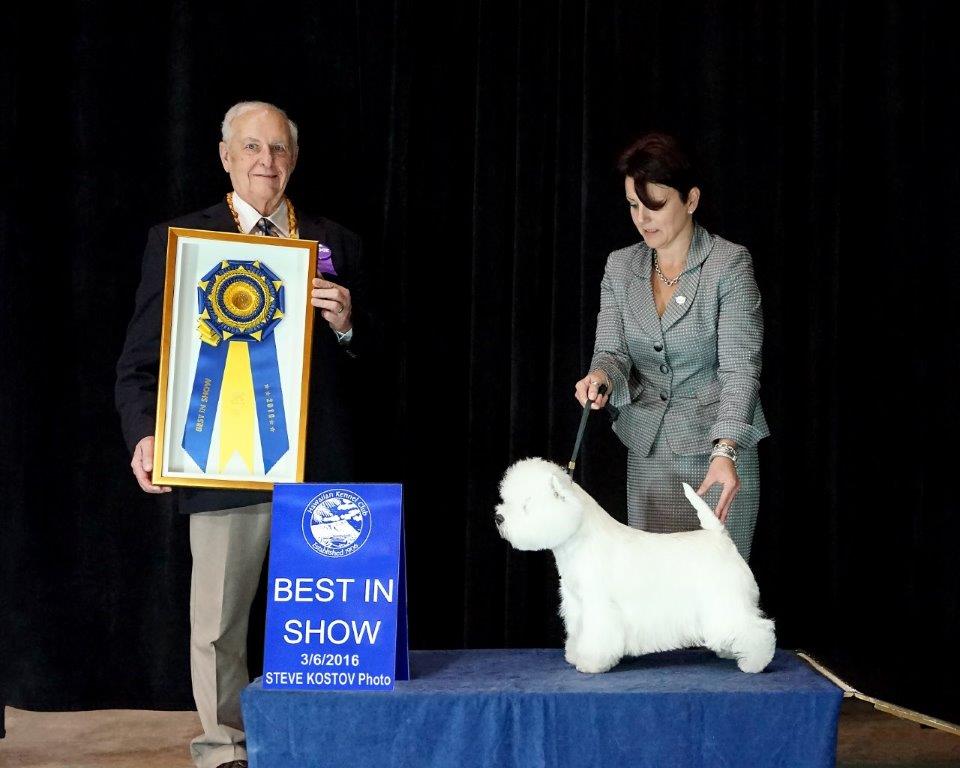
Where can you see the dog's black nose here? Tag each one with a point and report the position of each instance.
(498, 518)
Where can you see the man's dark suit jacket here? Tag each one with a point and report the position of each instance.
(330, 423)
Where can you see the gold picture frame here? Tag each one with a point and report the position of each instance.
(234, 378)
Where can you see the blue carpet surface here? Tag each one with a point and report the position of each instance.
(529, 708)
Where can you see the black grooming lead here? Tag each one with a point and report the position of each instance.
(583, 425)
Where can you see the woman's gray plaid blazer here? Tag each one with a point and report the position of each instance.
(684, 380)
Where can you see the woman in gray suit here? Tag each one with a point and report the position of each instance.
(678, 346)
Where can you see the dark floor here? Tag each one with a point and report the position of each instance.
(868, 737)
(115, 738)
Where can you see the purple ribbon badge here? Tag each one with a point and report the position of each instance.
(325, 261)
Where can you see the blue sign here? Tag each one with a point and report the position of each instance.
(336, 599)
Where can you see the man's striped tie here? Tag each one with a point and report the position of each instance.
(266, 227)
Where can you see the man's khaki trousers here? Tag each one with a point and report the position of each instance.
(228, 548)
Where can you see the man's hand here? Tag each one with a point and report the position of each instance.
(334, 304)
(724, 471)
(142, 465)
(588, 388)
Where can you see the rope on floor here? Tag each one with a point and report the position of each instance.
(883, 706)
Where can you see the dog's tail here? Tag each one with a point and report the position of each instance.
(708, 520)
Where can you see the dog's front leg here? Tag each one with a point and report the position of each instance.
(601, 641)
(570, 612)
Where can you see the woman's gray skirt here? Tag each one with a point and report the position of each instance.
(655, 500)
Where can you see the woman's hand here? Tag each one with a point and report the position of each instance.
(588, 388)
(724, 471)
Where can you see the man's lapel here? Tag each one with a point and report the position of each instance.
(219, 218)
(315, 229)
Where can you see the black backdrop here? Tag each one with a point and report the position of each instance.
(472, 145)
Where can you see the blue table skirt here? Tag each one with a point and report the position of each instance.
(529, 708)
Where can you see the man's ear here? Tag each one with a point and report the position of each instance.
(224, 156)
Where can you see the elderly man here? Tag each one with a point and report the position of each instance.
(229, 529)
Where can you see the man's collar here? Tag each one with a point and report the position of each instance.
(249, 216)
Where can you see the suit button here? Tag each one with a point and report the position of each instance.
(658, 347)
(663, 396)
(664, 368)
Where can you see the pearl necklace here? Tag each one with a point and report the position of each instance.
(663, 277)
(291, 217)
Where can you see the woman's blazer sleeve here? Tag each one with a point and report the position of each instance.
(739, 353)
(610, 351)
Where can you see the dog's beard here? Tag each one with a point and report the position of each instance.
(539, 523)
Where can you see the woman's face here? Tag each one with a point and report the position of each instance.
(661, 228)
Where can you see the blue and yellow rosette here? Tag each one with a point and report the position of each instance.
(238, 377)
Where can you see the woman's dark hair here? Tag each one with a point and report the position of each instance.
(658, 158)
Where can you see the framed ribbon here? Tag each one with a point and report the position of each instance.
(234, 363)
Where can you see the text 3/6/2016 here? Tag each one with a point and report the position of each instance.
(329, 660)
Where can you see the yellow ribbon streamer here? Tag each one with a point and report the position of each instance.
(237, 406)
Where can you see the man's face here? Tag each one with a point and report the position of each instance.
(259, 158)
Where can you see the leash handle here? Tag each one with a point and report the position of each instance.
(583, 425)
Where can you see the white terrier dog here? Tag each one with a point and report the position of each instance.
(624, 592)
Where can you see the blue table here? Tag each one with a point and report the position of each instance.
(529, 708)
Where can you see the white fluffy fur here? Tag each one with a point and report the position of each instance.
(624, 592)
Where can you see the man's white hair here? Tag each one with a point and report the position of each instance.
(241, 108)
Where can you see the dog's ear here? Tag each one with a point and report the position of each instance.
(559, 486)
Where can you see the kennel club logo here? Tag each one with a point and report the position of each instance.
(336, 523)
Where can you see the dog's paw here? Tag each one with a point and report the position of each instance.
(751, 666)
(594, 666)
(754, 663)
(570, 657)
